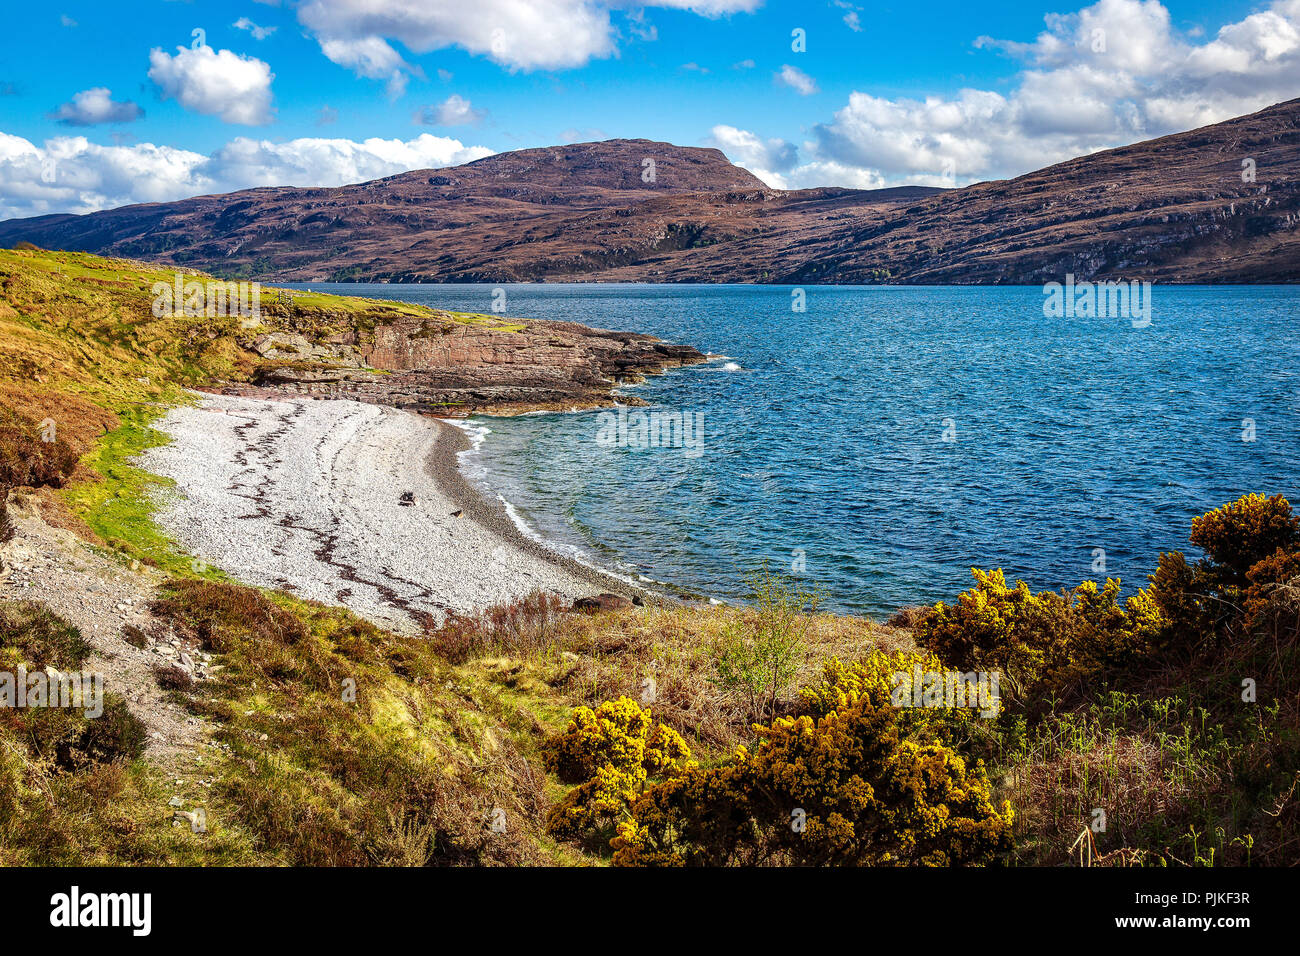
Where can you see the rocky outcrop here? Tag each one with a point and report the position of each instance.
(454, 368)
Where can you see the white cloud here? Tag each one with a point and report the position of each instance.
(371, 57)
(96, 105)
(259, 33)
(517, 34)
(1113, 73)
(852, 18)
(226, 84)
(71, 174)
(332, 162)
(766, 159)
(797, 80)
(455, 110)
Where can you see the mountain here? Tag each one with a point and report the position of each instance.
(1174, 209)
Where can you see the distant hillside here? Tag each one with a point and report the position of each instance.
(1174, 209)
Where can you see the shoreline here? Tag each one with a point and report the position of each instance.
(443, 465)
(351, 504)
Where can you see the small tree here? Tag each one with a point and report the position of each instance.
(1245, 532)
(759, 653)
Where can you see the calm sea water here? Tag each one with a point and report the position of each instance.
(824, 434)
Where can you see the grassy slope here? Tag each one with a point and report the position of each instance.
(82, 347)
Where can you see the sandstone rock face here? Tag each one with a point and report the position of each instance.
(453, 368)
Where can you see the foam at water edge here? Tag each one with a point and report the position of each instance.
(572, 552)
(476, 431)
(470, 466)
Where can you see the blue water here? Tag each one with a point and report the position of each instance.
(825, 435)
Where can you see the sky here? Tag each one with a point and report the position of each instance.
(103, 104)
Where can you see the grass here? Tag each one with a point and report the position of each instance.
(589, 659)
(350, 745)
(73, 790)
(119, 507)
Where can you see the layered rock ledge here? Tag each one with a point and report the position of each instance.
(454, 365)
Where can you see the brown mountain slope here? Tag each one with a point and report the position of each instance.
(1173, 209)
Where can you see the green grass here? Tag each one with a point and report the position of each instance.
(119, 509)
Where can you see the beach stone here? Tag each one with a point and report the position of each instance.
(601, 602)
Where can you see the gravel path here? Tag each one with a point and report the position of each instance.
(102, 596)
(305, 495)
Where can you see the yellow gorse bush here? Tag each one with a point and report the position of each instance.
(878, 677)
(1041, 642)
(843, 788)
(612, 752)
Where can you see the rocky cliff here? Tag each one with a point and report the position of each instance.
(443, 364)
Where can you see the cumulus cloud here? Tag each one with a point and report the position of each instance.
(797, 80)
(370, 57)
(1112, 73)
(517, 34)
(455, 110)
(766, 159)
(70, 174)
(96, 105)
(221, 83)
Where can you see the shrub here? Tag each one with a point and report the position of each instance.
(116, 734)
(840, 789)
(221, 614)
(259, 637)
(880, 678)
(26, 460)
(1264, 577)
(172, 677)
(1237, 536)
(521, 627)
(7, 530)
(77, 742)
(32, 635)
(611, 752)
(1186, 599)
(759, 654)
(1251, 545)
(1041, 643)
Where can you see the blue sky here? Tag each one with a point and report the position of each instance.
(320, 92)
